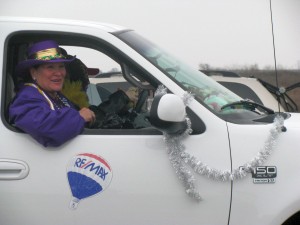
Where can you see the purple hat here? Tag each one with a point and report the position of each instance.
(42, 52)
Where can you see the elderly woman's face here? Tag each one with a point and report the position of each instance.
(49, 76)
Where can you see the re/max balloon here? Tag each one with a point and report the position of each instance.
(88, 174)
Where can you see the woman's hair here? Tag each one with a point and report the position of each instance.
(25, 78)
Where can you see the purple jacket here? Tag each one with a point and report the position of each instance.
(35, 114)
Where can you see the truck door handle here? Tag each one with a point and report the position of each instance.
(11, 169)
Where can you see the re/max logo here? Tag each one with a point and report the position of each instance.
(264, 172)
(91, 166)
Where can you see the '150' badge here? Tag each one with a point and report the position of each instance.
(264, 174)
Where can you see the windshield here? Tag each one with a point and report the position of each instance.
(208, 92)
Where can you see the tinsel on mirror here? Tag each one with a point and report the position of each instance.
(187, 165)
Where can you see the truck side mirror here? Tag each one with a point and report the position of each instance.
(168, 114)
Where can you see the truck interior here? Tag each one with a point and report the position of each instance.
(132, 74)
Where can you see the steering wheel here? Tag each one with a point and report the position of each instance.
(143, 95)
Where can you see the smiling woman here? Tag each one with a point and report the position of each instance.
(49, 76)
(39, 107)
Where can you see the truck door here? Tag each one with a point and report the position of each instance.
(132, 166)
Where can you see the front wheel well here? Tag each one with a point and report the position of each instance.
(293, 220)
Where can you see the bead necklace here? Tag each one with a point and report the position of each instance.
(59, 101)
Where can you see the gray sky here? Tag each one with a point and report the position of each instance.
(221, 33)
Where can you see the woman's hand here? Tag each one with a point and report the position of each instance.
(87, 114)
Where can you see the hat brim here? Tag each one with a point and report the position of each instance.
(23, 66)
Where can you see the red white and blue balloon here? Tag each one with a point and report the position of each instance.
(88, 174)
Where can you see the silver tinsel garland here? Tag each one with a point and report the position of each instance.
(184, 162)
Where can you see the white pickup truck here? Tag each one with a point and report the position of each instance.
(209, 158)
